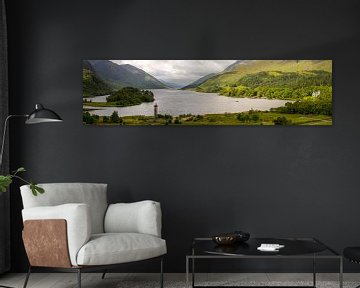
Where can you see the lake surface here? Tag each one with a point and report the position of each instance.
(177, 102)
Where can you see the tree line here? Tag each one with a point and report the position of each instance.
(94, 118)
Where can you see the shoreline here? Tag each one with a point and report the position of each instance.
(249, 118)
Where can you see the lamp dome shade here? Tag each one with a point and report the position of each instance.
(42, 115)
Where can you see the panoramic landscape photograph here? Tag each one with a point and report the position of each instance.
(207, 92)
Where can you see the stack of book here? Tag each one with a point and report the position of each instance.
(270, 247)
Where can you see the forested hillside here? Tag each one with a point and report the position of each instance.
(307, 82)
(92, 85)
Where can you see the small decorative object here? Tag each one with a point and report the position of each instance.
(231, 238)
(225, 239)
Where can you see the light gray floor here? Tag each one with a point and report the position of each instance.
(119, 280)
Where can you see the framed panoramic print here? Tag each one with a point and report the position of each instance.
(207, 92)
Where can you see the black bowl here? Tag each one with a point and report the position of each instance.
(225, 239)
(231, 238)
(241, 236)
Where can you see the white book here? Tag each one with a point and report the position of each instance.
(270, 247)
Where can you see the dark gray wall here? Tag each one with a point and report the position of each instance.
(277, 181)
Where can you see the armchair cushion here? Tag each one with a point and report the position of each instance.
(113, 248)
(78, 221)
(92, 194)
(138, 217)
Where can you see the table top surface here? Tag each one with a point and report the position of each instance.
(292, 247)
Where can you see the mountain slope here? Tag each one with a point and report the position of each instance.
(125, 75)
(232, 74)
(93, 85)
(237, 63)
(199, 81)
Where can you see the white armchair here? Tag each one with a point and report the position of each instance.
(72, 228)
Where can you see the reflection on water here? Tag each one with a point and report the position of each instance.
(177, 102)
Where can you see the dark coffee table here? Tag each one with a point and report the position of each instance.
(295, 248)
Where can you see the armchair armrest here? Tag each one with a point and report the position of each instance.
(77, 217)
(138, 217)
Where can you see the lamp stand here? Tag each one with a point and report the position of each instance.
(4, 135)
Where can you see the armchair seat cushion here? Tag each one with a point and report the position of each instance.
(114, 248)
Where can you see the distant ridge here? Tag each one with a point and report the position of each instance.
(199, 81)
(171, 84)
(236, 64)
(118, 76)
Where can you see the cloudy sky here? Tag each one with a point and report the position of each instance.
(181, 72)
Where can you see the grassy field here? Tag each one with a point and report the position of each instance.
(231, 119)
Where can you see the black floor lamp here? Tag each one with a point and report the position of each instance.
(39, 115)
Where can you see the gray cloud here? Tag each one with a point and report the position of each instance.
(180, 72)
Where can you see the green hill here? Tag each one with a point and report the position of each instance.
(308, 82)
(231, 77)
(199, 81)
(286, 79)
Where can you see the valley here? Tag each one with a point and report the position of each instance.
(293, 88)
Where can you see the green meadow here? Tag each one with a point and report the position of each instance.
(229, 119)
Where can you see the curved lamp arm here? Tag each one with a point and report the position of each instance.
(39, 115)
(4, 134)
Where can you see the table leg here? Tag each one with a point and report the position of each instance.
(193, 272)
(314, 271)
(341, 273)
(187, 272)
(193, 267)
